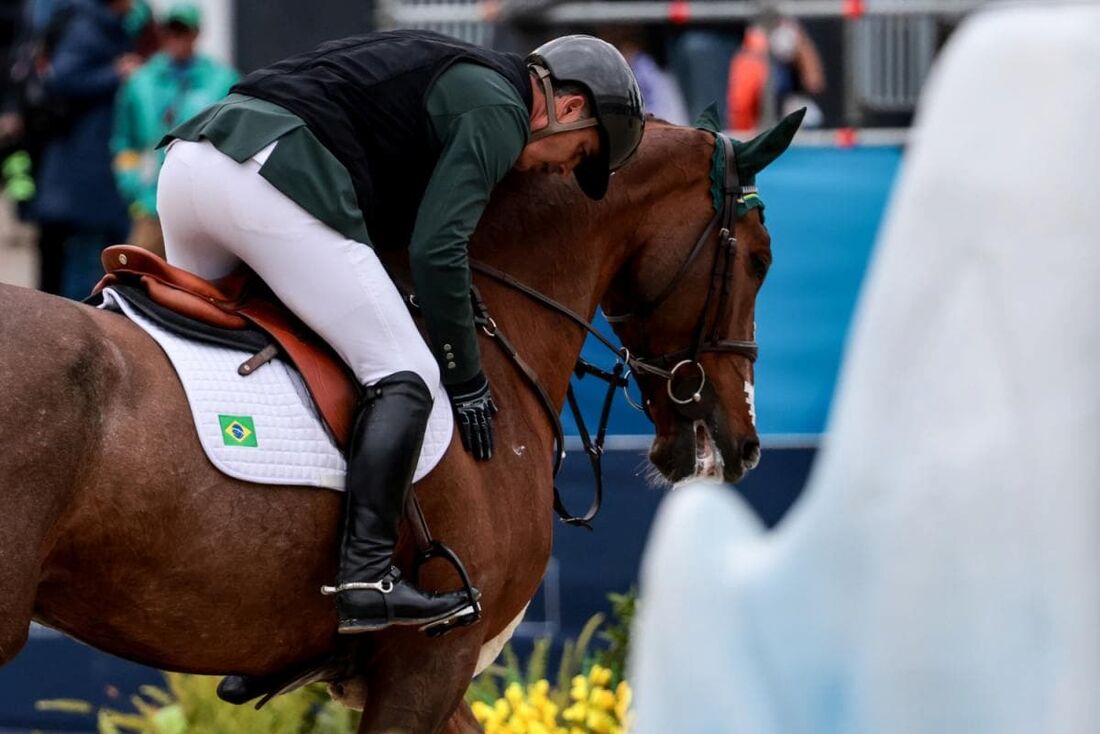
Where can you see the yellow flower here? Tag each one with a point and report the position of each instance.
(575, 713)
(602, 698)
(579, 691)
(502, 709)
(541, 688)
(481, 710)
(537, 727)
(623, 695)
(549, 712)
(599, 675)
(527, 712)
(514, 694)
(599, 722)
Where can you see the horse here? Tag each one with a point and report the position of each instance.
(117, 530)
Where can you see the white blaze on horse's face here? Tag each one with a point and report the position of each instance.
(750, 389)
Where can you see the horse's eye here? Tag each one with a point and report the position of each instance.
(759, 266)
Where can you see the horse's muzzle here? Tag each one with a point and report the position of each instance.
(697, 450)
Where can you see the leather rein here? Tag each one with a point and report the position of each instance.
(706, 339)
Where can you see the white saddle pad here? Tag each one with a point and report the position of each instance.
(264, 428)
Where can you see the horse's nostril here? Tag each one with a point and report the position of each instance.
(750, 453)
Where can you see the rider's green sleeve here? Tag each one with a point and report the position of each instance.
(483, 126)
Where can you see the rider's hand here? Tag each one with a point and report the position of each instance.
(474, 409)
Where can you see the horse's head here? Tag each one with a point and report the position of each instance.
(684, 302)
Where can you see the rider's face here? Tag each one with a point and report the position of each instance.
(562, 152)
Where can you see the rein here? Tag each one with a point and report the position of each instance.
(665, 366)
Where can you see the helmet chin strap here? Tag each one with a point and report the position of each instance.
(553, 127)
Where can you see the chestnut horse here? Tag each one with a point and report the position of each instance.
(117, 530)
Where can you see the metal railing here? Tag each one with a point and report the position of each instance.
(436, 13)
(458, 18)
(889, 44)
(892, 57)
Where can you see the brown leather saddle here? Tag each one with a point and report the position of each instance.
(241, 301)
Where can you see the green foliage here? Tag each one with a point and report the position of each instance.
(189, 705)
(617, 634)
(536, 666)
(574, 659)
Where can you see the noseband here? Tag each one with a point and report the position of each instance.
(707, 337)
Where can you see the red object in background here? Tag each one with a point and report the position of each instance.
(846, 137)
(748, 81)
(853, 8)
(679, 12)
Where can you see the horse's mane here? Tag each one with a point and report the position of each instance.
(535, 205)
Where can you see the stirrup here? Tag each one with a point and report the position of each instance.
(467, 615)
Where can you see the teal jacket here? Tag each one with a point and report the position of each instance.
(159, 96)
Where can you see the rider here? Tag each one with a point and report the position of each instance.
(388, 140)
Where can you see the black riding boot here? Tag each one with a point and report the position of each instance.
(382, 456)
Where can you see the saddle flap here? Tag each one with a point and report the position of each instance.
(334, 388)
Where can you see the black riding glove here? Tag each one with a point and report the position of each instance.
(474, 409)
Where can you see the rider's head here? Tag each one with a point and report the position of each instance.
(180, 31)
(593, 118)
(561, 152)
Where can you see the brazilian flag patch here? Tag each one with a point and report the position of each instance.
(238, 430)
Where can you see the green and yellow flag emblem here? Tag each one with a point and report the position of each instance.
(238, 430)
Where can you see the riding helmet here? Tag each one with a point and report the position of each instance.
(613, 92)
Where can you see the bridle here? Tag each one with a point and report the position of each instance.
(707, 337)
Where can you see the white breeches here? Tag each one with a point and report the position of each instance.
(217, 213)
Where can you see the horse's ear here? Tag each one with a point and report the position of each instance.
(755, 155)
(709, 119)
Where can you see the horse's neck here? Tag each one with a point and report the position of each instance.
(544, 338)
(546, 235)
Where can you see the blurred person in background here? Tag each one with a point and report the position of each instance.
(142, 26)
(777, 71)
(29, 115)
(76, 203)
(699, 57)
(514, 23)
(660, 90)
(175, 85)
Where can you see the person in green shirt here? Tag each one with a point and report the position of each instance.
(175, 84)
(389, 140)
